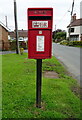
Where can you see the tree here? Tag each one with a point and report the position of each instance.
(59, 36)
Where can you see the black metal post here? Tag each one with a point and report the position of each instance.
(38, 83)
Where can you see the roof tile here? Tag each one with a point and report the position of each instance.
(77, 22)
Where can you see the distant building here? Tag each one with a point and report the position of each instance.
(4, 43)
(22, 34)
(22, 38)
(76, 27)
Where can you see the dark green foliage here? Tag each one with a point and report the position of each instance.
(75, 43)
(60, 36)
(22, 44)
(71, 43)
(64, 42)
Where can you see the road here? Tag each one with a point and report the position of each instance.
(6, 52)
(9, 52)
(70, 56)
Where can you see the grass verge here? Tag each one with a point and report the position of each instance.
(0, 86)
(19, 90)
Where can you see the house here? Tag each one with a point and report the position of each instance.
(22, 34)
(4, 43)
(76, 27)
(22, 38)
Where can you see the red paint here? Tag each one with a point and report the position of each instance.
(40, 24)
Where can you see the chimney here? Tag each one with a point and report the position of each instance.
(73, 18)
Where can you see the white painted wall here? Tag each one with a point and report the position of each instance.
(81, 30)
(77, 31)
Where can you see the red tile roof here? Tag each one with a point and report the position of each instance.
(21, 33)
(77, 22)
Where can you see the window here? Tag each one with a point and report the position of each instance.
(72, 29)
(74, 37)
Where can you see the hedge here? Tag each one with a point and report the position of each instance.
(71, 43)
(75, 43)
(21, 45)
(64, 42)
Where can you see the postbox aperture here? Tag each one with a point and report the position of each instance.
(40, 33)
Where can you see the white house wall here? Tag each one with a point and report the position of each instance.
(77, 31)
(67, 32)
(81, 30)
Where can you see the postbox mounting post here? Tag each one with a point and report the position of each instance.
(38, 82)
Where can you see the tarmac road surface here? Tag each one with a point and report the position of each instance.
(70, 57)
(9, 52)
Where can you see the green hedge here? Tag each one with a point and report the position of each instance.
(21, 45)
(71, 43)
(64, 42)
(75, 43)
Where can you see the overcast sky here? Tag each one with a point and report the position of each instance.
(61, 15)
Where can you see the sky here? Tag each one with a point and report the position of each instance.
(61, 12)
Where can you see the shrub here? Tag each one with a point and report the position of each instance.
(71, 43)
(21, 45)
(75, 43)
(13, 45)
(64, 42)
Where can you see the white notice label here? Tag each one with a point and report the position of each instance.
(39, 24)
(40, 43)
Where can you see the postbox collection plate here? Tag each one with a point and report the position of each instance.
(40, 43)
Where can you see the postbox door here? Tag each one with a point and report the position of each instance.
(39, 43)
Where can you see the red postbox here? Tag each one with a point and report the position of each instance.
(40, 33)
